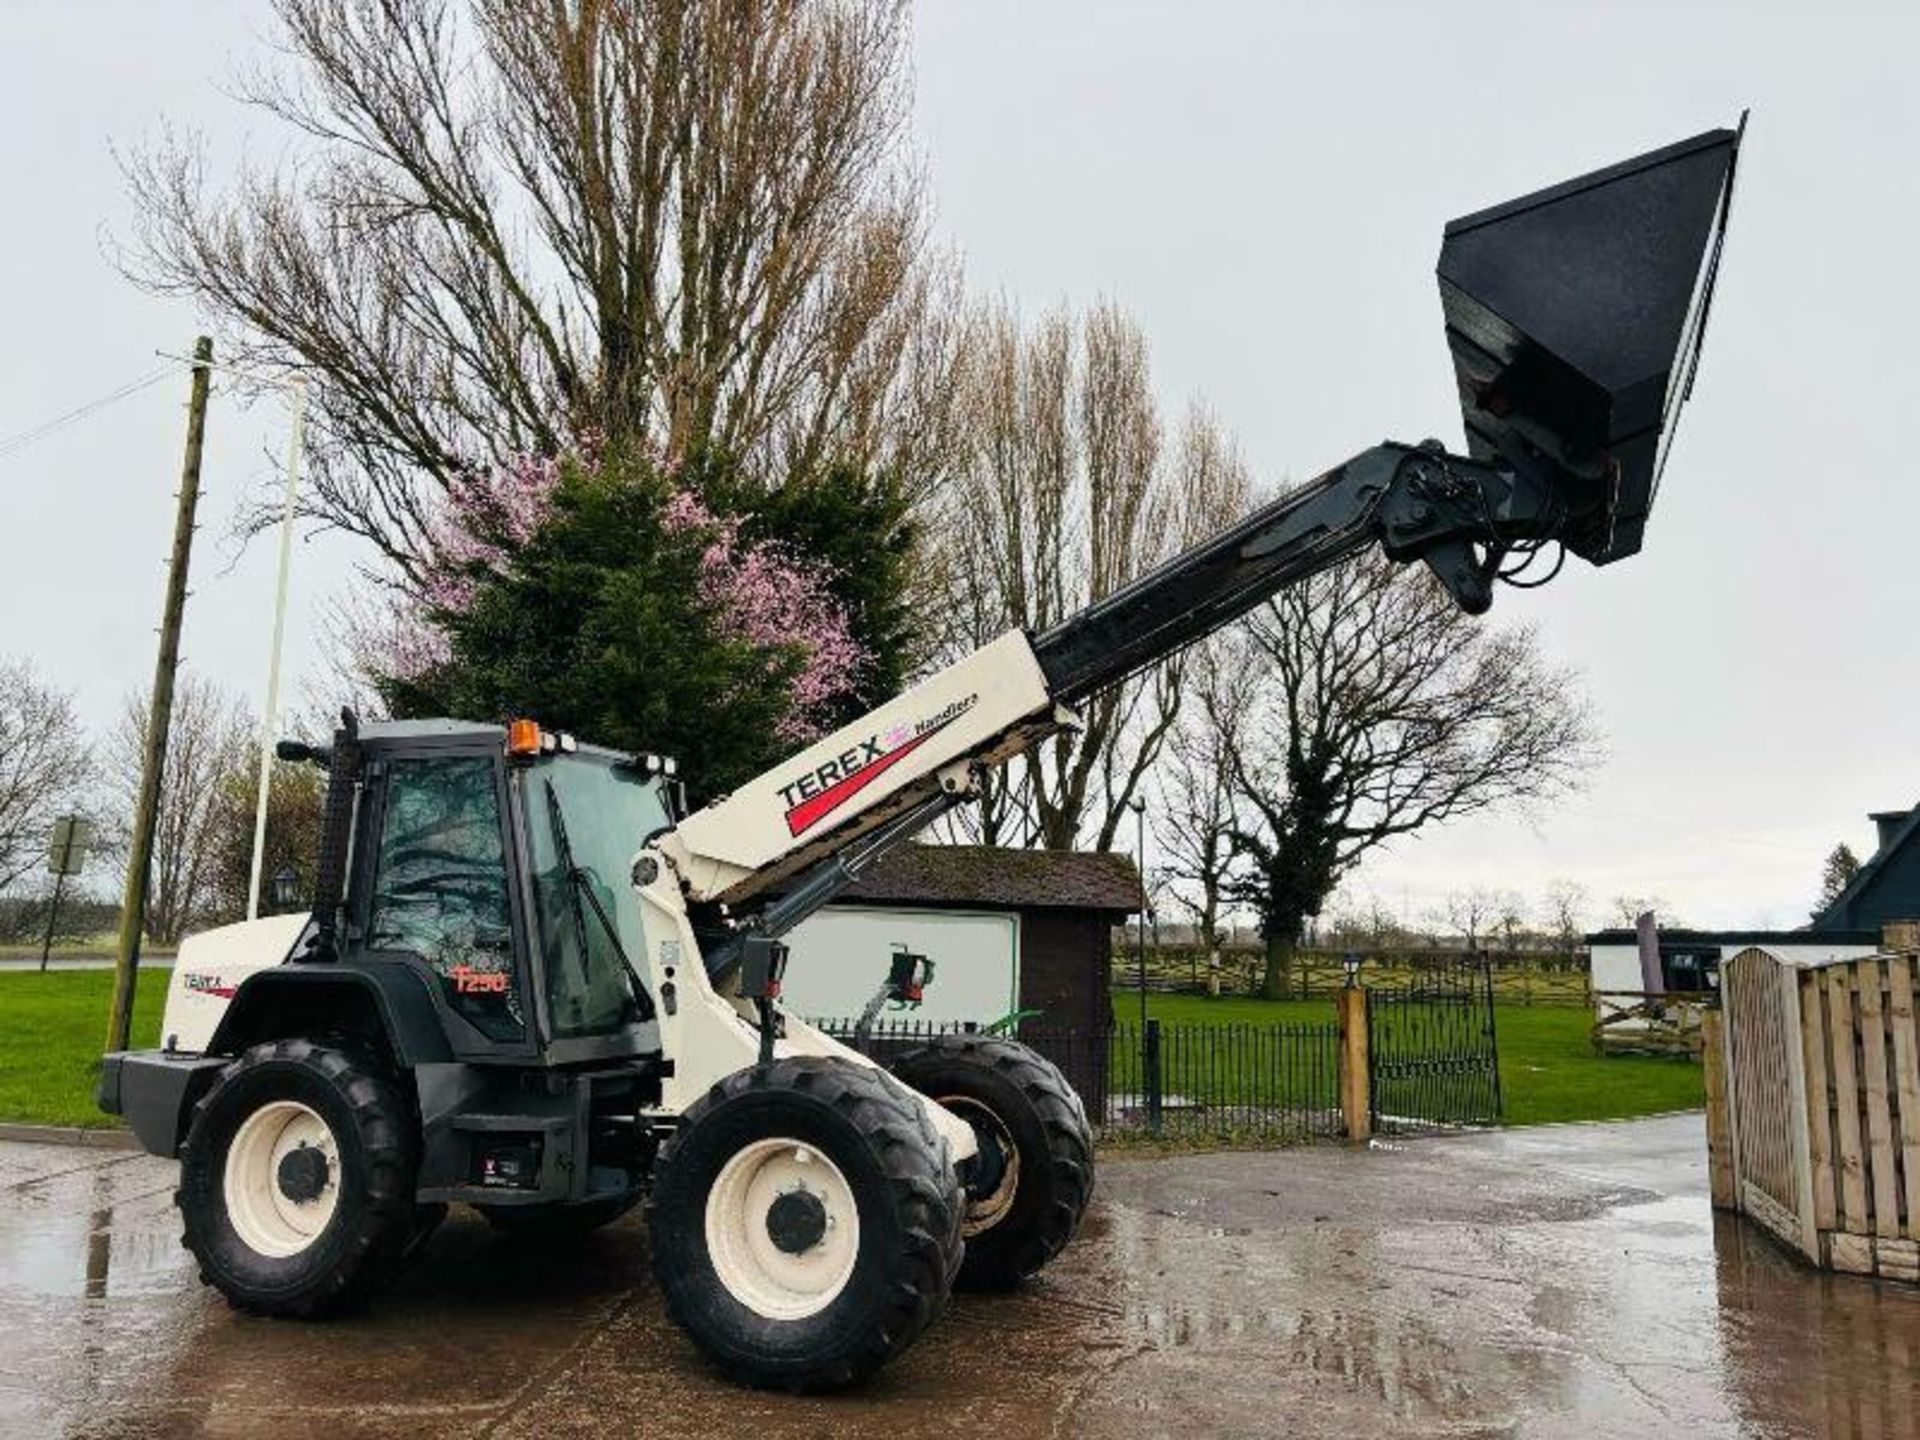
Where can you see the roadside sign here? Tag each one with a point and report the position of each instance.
(67, 852)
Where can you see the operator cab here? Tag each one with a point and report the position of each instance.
(495, 860)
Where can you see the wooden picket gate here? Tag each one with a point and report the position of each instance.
(1765, 1090)
(1813, 1107)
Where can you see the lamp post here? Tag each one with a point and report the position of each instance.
(269, 719)
(286, 889)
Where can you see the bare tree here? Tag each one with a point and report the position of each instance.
(1063, 493)
(1567, 903)
(1510, 919)
(44, 762)
(1196, 815)
(1467, 914)
(510, 227)
(296, 796)
(209, 743)
(1386, 710)
(1627, 910)
(1373, 927)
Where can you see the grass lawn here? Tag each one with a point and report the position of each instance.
(51, 1027)
(1548, 1069)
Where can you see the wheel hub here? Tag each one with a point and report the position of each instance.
(782, 1228)
(988, 1167)
(303, 1174)
(992, 1178)
(281, 1178)
(796, 1221)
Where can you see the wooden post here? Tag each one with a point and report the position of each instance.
(1848, 1150)
(1882, 1183)
(1713, 1057)
(1906, 1071)
(133, 911)
(1813, 1044)
(1356, 1099)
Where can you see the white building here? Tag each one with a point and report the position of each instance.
(1690, 959)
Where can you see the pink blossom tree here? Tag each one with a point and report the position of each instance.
(758, 591)
(766, 595)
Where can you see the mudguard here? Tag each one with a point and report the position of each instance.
(396, 991)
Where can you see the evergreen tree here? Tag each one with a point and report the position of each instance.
(1838, 872)
(625, 602)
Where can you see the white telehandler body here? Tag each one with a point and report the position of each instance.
(532, 982)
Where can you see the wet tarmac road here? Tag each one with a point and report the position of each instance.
(1560, 1281)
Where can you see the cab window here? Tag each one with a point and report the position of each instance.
(440, 887)
(586, 817)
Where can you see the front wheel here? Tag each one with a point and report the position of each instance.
(1030, 1181)
(805, 1222)
(297, 1180)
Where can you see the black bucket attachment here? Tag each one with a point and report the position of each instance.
(1575, 317)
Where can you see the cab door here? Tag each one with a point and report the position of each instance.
(435, 891)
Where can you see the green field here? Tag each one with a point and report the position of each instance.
(51, 1027)
(1548, 1070)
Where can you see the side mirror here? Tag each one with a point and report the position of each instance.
(298, 751)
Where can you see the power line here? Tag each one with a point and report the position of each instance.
(15, 443)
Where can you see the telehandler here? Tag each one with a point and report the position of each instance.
(533, 983)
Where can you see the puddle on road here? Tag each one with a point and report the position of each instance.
(90, 1236)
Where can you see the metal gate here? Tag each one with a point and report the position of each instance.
(1433, 1058)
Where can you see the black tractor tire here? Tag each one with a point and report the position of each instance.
(1026, 1196)
(556, 1224)
(374, 1225)
(888, 1165)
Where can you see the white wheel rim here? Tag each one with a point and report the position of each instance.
(268, 1220)
(989, 1210)
(769, 1281)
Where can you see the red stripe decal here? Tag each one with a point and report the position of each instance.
(813, 810)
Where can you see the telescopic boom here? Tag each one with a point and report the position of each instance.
(1574, 316)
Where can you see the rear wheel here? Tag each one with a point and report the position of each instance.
(1030, 1182)
(297, 1179)
(806, 1223)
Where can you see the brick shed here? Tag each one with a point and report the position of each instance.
(1067, 903)
(1028, 930)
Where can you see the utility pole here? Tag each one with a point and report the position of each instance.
(160, 711)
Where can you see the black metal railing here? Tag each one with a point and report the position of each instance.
(1277, 1082)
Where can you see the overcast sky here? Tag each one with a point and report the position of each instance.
(1264, 185)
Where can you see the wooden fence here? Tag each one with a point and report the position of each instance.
(1520, 978)
(1813, 1107)
(1639, 1022)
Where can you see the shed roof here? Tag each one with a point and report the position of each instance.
(987, 875)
